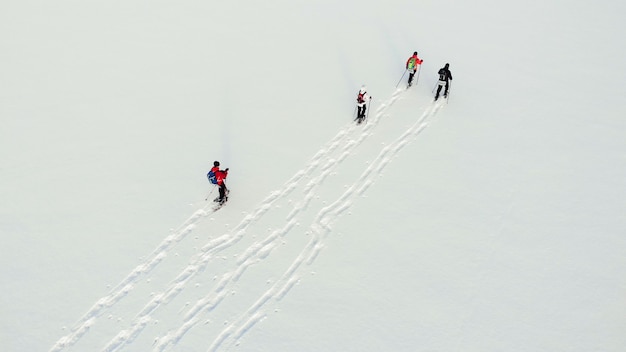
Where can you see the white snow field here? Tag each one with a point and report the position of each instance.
(493, 221)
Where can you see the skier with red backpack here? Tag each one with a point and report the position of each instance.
(362, 101)
(217, 177)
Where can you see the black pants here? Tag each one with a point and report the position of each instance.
(223, 191)
(445, 91)
(361, 111)
(411, 74)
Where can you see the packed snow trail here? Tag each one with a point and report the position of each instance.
(341, 144)
(332, 154)
(320, 229)
(123, 288)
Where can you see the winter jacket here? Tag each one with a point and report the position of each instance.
(444, 74)
(220, 175)
(416, 61)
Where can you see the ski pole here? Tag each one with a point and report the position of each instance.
(404, 73)
(208, 195)
(418, 74)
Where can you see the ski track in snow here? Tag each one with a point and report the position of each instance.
(319, 229)
(326, 159)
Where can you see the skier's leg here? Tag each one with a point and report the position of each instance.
(445, 92)
(222, 192)
(438, 90)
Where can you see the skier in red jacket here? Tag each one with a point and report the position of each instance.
(411, 64)
(220, 176)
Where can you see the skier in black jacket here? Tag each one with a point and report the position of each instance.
(445, 76)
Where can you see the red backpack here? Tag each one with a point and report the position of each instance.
(361, 98)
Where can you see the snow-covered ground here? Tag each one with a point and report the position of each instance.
(495, 221)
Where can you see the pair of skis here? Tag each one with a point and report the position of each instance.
(219, 204)
(359, 120)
